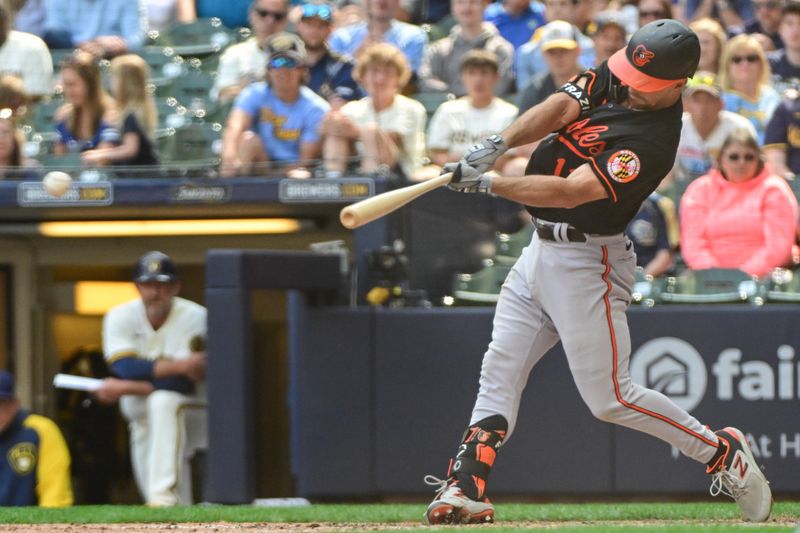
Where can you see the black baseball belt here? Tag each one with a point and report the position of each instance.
(559, 232)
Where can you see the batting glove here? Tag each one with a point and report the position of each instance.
(482, 155)
(467, 179)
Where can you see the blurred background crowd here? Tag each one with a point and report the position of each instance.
(396, 88)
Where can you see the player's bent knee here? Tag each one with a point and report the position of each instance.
(163, 400)
(610, 412)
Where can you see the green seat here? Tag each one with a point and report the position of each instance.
(481, 287)
(509, 246)
(197, 38)
(713, 285)
(192, 90)
(192, 143)
(432, 101)
(646, 289)
(38, 121)
(165, 65)
(58, 55)
(794, 183)
(783, 286)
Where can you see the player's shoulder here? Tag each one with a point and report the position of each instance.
(126, 309)
(188, 307)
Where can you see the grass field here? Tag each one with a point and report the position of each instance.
(590, 517)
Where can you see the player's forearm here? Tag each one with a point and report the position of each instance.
(538, 191)
(167, 368)
(659, 264)
(551, 115)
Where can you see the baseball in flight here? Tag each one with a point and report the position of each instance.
(56, 182)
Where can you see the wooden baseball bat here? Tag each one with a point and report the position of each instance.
(365, 211)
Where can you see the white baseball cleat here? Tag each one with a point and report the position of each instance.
(451, 506)
(737, 475)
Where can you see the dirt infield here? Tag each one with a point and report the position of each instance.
(322, 527)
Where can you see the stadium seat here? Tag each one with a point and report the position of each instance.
(713, 285)
(192, 90)
(508, 246)
(432, 101)
(39, 119)
(783, 286)
(198, 144)
(164, 64)
(481, 287)
(58, 55)
(198, 38)
(794, 183)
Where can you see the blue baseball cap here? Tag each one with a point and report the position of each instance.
(6, 385)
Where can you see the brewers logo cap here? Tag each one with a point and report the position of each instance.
(558, 34)
(659, 54)
(155, 266)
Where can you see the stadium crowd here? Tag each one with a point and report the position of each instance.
(382, 87)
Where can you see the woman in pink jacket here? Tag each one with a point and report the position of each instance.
(740, 214)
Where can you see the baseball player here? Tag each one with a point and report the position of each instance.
(615, 129)
(155, 345)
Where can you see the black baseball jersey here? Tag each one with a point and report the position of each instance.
(629, 151)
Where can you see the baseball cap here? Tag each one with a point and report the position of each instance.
(558, 34)
(658, 55)
(703, 81)
(285, 45)
(155, 266)
(6, 385)
(320, 11)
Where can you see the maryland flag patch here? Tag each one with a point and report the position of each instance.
(624, 166)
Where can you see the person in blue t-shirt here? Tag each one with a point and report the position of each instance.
(275, 121)
(516, 20)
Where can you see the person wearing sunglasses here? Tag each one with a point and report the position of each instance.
(331, 74)
(275, 121)
(650, 10)
(706, 125)
(245, 62)
(739, 215)
(785, 63)
(745, 80)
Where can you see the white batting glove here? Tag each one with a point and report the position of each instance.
(482, 155)
(467, 179)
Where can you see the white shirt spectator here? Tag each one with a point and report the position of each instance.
(26, 56)
(242, 61)
(457, 125)
(405, 117)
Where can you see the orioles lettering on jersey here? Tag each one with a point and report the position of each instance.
(588, 136)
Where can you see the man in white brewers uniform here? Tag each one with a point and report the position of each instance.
(155, 345)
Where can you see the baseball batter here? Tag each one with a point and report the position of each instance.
(154, 344)
(615, 131)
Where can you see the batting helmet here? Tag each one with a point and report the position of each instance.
(659, 54)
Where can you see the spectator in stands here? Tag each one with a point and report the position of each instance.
(782, 139)
(331, 74)
(458, 124)
(35, 467)
(739, 215)
(233, 13)
(246, 62)
(29, 16)
(655, 233)
(25, 55)
(13, 165)
(785, 63)
(284, 114)
(385, 128)
(733, 14)
(528, 60)
(86, 120)
(706, 125)
(608, 37)
(745, 81)
(103, 28)
(559, 46)
(155, 346)
(516, 20)
(381, 26)
(712, 40)
(441, 67)
(12, 94)
(137, 114)
(768, 14)
(161, 14)
(650, 10)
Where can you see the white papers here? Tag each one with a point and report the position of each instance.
(68, 381)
